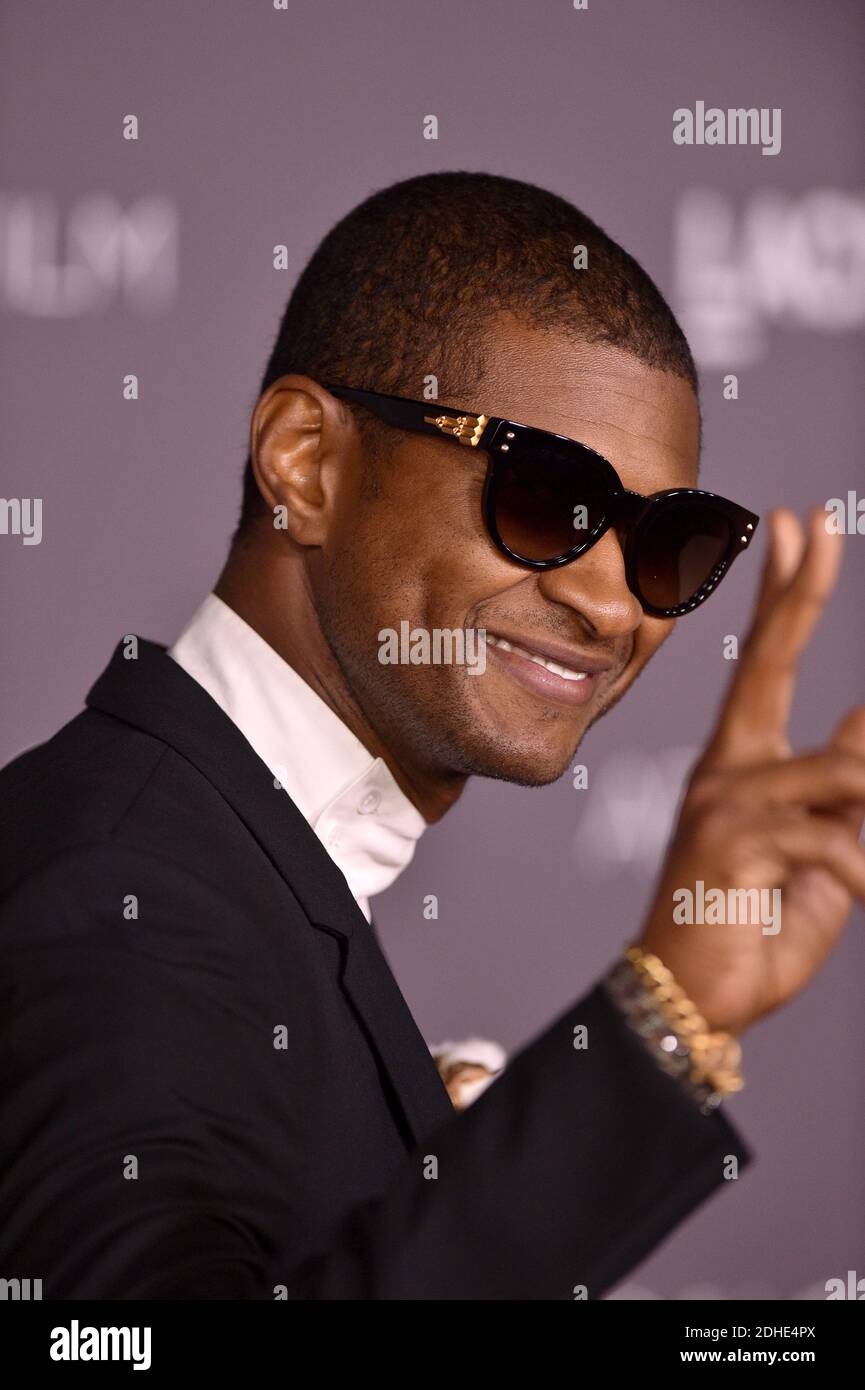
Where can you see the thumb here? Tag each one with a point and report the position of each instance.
(849, 737)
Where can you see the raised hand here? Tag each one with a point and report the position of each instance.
(756, 816)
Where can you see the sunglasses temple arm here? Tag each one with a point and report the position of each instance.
(422, 418)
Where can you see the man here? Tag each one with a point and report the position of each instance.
(211, 1086)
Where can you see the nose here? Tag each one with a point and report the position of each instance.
(594, 585)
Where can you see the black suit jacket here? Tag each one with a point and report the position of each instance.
(212, 1087)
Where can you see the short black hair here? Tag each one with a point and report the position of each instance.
(402, 286)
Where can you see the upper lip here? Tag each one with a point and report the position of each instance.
(571, 657)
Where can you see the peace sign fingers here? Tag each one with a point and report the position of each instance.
(800, 574)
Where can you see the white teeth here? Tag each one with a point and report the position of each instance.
(564, 671)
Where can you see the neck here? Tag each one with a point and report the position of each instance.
(270, 593)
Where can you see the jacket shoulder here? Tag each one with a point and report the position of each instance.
(74, 789)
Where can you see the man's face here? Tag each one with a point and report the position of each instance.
(418, 552)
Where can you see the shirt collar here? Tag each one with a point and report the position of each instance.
(367, 824)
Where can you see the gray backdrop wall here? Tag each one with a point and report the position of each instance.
(260, 126)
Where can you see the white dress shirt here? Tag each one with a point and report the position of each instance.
(365, 821)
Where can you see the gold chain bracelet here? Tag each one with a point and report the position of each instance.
(714, 1058)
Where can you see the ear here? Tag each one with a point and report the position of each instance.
(299, 436)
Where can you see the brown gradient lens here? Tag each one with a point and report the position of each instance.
(679, 549)
(546, 504)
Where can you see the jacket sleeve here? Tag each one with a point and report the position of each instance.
(566, 1172)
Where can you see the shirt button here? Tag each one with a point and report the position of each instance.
(369, 803)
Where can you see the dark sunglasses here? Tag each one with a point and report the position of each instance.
(548, 499)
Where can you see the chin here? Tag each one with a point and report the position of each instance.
(526, 766)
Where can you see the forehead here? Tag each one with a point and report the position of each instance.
(645, 421)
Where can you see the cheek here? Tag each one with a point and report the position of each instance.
(650, 635)
(421, 545)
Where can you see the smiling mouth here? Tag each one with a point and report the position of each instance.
(550, 671)
(567, 673)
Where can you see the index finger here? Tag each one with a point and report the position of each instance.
(797, 582)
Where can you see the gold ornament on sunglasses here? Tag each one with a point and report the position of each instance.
(466, 428)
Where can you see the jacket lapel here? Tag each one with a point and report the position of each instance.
(153, 693)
